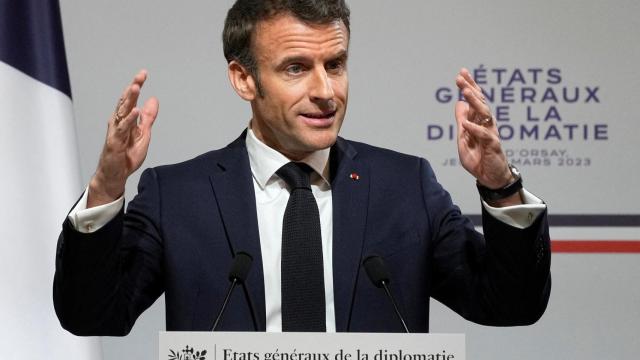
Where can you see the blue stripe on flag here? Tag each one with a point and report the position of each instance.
(31, 40)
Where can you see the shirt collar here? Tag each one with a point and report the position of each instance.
(265, 161)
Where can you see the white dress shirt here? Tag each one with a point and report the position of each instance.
(271, 200)
(272, 196)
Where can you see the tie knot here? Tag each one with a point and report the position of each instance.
(296, 175)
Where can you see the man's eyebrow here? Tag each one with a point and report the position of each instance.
(342, 55)
(293, 59)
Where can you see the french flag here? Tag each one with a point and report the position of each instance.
(39, 178)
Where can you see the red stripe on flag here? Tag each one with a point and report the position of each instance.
(595, 246)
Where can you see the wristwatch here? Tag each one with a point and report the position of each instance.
(504, 192)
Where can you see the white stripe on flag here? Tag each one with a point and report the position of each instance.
(40, 180)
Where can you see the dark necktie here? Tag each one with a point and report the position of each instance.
(303, 304)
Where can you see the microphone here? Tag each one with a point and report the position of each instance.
(379, 276)
(237, 275)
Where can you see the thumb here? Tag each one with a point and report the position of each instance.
(142, 134)
(461, 112)
(148, 113)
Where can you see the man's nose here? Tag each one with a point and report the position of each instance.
(321, 89)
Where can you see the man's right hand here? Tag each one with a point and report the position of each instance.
(126, 145)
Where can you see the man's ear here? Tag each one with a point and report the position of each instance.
(242, 81)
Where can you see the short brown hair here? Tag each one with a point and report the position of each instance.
(244, 15)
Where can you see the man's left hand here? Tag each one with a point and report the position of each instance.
(478, 140)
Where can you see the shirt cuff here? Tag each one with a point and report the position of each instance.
(90, 220)
(519, 216)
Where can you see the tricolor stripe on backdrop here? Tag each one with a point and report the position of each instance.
(39, 180)
(592, 245)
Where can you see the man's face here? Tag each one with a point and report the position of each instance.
(303, 75)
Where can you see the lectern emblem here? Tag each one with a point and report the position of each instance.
(187, 354)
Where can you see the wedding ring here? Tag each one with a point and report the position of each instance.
(486, 121)
(117, 118)
(116, 114)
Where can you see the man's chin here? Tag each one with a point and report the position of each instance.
(325, 140)
(306, 148)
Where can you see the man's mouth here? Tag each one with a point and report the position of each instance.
(319, 120)
(320, 115)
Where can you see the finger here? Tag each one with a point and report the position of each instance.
(461, 112)
(463, 84)
(140, 77)
(464, 80)
(465, 140)
(477, 131)
(142, 133)
(477, 104)
(479, 108)
(128, 101)
(470, 128)
(149, 113)
(128, 121)
(470, 80)
(130, 95)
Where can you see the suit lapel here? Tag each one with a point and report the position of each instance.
(232, 184)
(350, 193)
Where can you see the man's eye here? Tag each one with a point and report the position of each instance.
(294, 69)
(335, 65)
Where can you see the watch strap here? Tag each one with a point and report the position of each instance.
(513, 187)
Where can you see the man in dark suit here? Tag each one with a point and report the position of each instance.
(179, 235)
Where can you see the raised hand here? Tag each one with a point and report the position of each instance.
(478, 140)
(126, 145)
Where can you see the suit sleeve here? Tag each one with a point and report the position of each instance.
(106, 279)
(502, 278)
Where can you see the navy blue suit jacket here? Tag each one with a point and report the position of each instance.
(181, 231)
